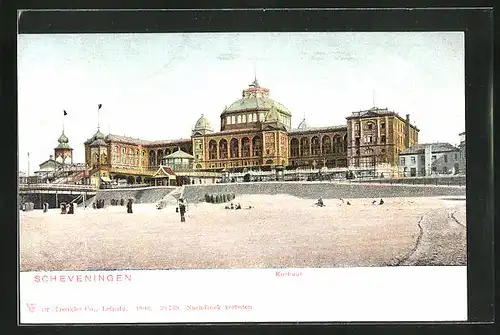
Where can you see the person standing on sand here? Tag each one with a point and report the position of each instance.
(129, 206)
(182, 209)
(71, 209)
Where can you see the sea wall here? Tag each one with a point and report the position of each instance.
(445, 181)
(140, 195)
(327, 190)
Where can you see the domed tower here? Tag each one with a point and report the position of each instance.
(96, 152)
(201, 128)
(255, 109)
(303, 124)
(63, 153)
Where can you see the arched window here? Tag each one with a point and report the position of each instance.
(233, 119)
(152, 158)
(304, 146)
(159, 157)
(223, 149)
(294, 147)
(326, 144)
(245, 147)
(337, 144)
(228, 119)
(254, 117)
(233, 148)
(212, 149)
(243, 118)
(256, 146)
(315, 147)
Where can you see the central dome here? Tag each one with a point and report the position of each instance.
(255, 98)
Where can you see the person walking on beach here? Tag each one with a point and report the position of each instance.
(129, 206)
(182, 209)
(63, 208)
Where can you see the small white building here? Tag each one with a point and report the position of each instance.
(429, 159)
(179, 161)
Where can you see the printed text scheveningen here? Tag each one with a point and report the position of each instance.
(82, 278)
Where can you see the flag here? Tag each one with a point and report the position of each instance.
(65, 113)
(99, 107)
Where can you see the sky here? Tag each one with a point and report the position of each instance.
(156, 86)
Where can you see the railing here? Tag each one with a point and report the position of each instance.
(439, 180)
(56, 187)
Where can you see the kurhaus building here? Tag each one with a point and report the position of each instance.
(255, 134)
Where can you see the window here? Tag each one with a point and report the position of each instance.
(382, 139)
(456, 156)
(131, 151)
(446, 158)
(356, 126)
(357, 140)
(402, 161)
(369, 139)
(123, 151)
(382, 125)
(116, 149)
(422, 159)
(370, 126)
(243, 118)
(413, 159)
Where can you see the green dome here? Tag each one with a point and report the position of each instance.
(203, 124)
(97, 136)
(303, 124)
(62, 138)
(255, 98)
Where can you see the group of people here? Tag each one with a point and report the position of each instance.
(237, 206)
(233, 206)
(98, 204)
(320, 202)
(115, 202)
(67, 208)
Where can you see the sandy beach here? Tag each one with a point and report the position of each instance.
(279, 231)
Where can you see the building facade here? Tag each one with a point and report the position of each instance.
(255, 134)
(429, 159)
(376, 137)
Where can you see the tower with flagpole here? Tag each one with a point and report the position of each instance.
(63, 153)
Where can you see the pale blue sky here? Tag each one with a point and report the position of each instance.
(155, 86)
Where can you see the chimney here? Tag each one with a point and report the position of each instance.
(407, 131)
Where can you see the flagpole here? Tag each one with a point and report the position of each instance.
(28, 164)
